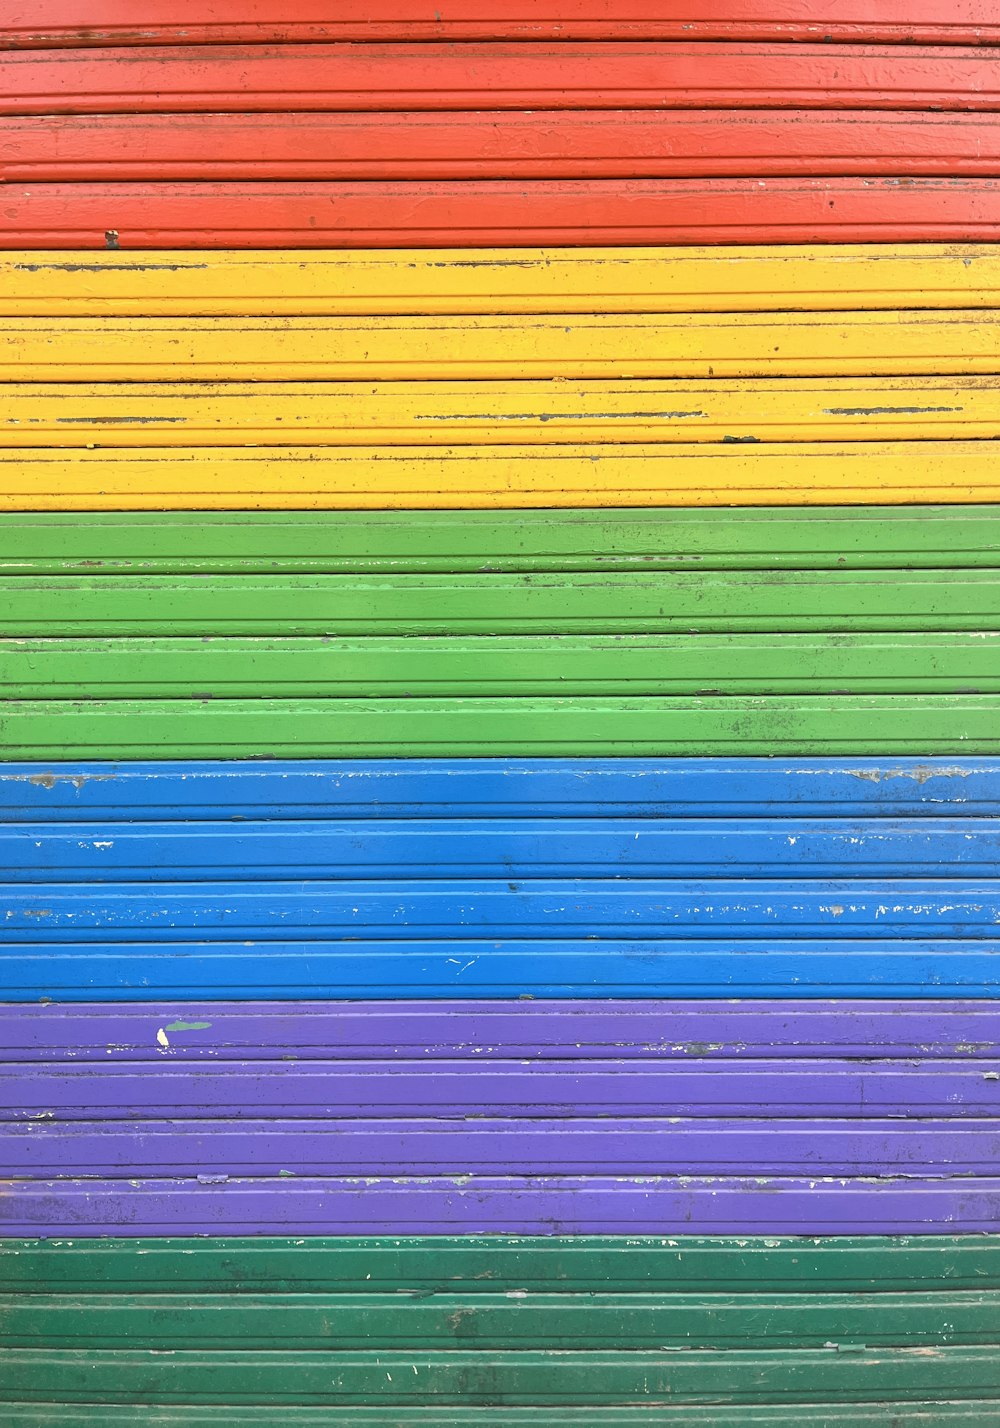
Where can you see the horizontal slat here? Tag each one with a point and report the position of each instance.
(585, 144)
(662, 1205)
(571, 666)
(533, 1031)
(927, 1264)
(334, 1092)
(497, 413)
(459, 912)
(520, 1376)
(374, 349)
(561, 1322)
(372, 478)
(849, 725)
(567, 75)
(706, 538)
(834, 1415)
(482, 213)
(584, 280)
(727, 602)
(98, 851)
(490, 788)
(876, 966)
(601, 1145)
(38, 23)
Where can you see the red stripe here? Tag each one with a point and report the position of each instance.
(505, 76)
(567, 144)
(387, 215)
(146, 22)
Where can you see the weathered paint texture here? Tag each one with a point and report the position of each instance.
(497, 542)
(537, 76)
(389, 383)
(785, 1328)
(486, 142)
(261, 1097)
(567, 144)
(41, 23)
(697, 880)
(555, 280)
(473, 633)
(598, 995)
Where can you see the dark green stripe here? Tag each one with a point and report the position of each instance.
(528, 1378)
(857, 1415)
(615, 1264)
(499, 1319)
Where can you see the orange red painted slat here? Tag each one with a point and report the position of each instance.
(247, 79)
(144, 22)
(560, 144)
(474, 213)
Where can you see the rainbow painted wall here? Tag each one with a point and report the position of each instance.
(500, 657)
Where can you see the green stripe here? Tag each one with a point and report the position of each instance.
(500, 665)
(535, 1378)
(341, 728)
(753, 538)
(338, 1331)
(615, 1264)
(502, 1320)
(636, 603)
(858, 1415)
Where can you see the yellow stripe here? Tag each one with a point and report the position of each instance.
(493, 413)
(373, 478)
(464, 348)
(528, 280)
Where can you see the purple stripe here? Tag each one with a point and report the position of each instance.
(502, 1147)
(479, 1030)
(500, 1088)
(466, 1205)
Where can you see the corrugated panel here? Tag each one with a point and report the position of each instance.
(386, 542)
(484, 213)
(396, 1204)
(565, 665)
(480, 1266)
(523, 1377)
(795, 1301)
(575, 1107)
(432, 149)
(366, 643)
(968, 1413)
(558, 280)
(501, 347)
(461, 477)
(787, 904)
(492, 788)
(772, 409)
(32, 23)
(596, 726)
(537, 76)
(687, 1037)
(418, 603)
(497, 145)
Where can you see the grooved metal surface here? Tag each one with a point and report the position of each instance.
(39, 23)
(581, 143)
(703, 1121)
(715, 879)
(537, 76)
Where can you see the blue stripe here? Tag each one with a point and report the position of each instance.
(492, 787)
